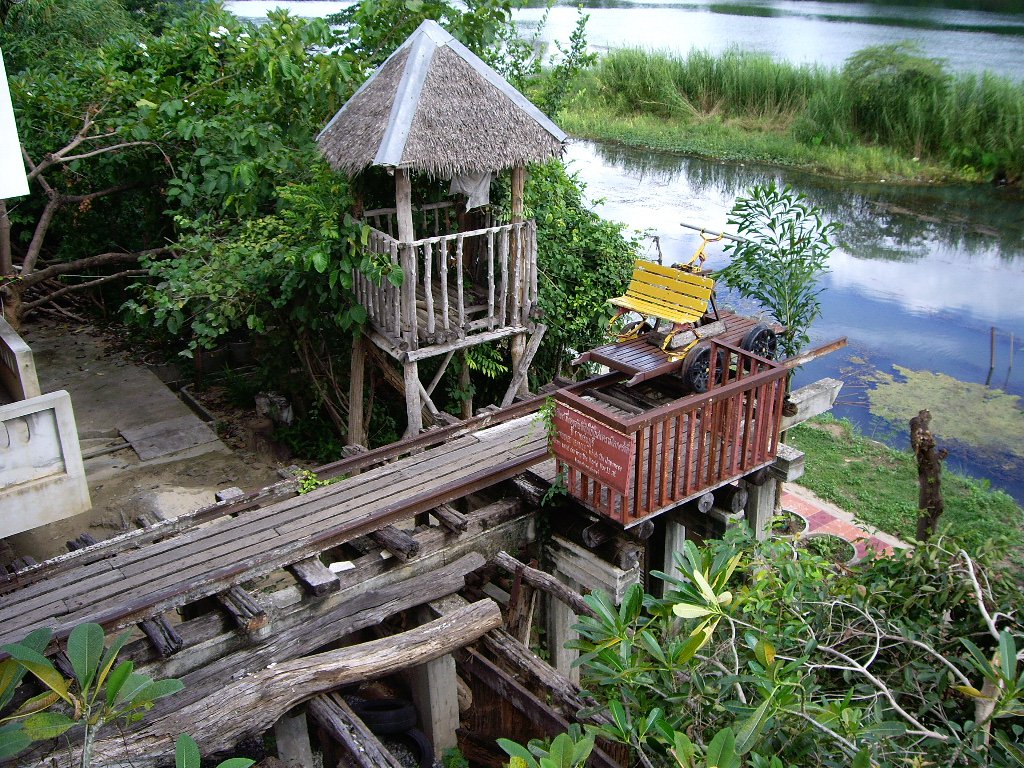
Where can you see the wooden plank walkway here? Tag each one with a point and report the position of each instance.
(202, 560)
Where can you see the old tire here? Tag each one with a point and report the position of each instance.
(761, 341)
(417, 743)
(697, 368)
(386, 717)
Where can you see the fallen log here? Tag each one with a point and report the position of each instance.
(315, 629)
(248, 706)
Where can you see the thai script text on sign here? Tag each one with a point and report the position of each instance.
(593, 448)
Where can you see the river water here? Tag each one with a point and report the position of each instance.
(922, 275)
(800, 31)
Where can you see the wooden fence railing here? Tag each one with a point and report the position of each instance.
(453, 285)
(629, 468)
(429, 219)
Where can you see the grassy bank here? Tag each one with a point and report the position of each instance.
(888, 113)
(879, 485)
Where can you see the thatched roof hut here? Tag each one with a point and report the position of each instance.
(435, 107)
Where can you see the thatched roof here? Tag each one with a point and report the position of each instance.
(434, 106)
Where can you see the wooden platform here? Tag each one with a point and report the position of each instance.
(641, 360)
(144, 575)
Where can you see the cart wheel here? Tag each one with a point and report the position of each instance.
(696, 371)
(762, 341)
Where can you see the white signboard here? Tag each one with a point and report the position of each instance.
(12, 168)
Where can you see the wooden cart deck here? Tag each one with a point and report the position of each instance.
(642, 361)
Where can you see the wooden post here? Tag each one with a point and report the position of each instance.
(761, 506)
(403, 205)
(929, 474)
(560, 631)
(356, 430)
(413, 408)
(292, 737)
(516, 268)
(464, 386)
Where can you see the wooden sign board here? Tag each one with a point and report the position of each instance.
(594, 448)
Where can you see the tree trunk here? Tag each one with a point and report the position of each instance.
(929, 471)
(250, 705)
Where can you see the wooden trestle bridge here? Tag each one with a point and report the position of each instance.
(224, 594)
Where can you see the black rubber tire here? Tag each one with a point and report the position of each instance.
(416, 741)
(762, 341)
(386, 717)
(696, 368)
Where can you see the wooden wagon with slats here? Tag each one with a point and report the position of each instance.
(698, 405)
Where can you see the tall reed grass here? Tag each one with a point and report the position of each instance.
(885, 96)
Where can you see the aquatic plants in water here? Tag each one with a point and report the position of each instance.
(988, 419)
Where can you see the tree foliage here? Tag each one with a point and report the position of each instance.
(582, 261)
(769, 656)
(179, 150)
(781, 258)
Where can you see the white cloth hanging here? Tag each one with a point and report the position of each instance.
(475, 186)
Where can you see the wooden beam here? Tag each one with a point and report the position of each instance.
(316, 578)
(311, 628)
(162, 635)
(522, 366)
(397, 542)
(247, 706)
(243, 608)
(813, 354)
(540, 676)
(545, 582)
(337, 718)
(450, 517)
(540, 714)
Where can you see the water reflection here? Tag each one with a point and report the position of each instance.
(881, 221)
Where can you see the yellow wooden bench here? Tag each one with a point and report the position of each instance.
(668, 293)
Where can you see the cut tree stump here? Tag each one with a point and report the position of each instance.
(929, 474)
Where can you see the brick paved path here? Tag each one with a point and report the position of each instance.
(824, 517)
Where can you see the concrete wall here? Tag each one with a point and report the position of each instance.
(42, 478)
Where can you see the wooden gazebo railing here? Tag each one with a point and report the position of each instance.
(455, 284)
(629, 468)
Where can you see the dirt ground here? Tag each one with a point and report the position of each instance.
(111, 391)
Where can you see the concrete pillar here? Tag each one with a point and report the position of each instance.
(435, 689)
(675, 537)
(435, 693)
(559, 632)
(761, 506)
(292, 738)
